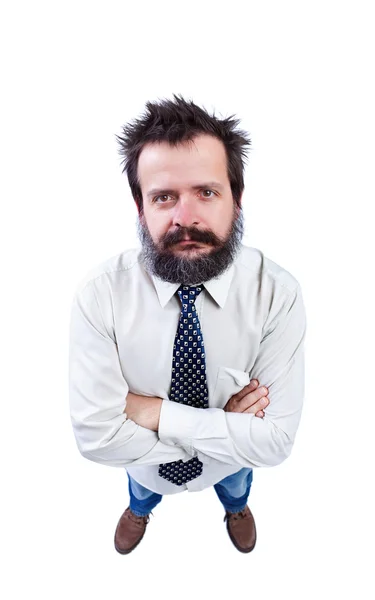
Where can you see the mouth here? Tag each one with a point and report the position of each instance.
(187, 242)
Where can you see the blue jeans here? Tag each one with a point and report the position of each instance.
(232, 491)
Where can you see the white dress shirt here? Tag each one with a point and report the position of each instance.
(122, 330)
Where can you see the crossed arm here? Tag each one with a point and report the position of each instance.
(145, 410)
(159, 430)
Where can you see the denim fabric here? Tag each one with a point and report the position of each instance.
(232, 491)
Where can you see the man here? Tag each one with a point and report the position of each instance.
(160, 332)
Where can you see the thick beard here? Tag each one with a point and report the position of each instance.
(198, 269)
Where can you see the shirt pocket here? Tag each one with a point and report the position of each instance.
(229, 382)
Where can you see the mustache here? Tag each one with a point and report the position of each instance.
(194, 235)
(168, 266)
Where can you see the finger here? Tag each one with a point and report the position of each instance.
(252, 398)
(259, 405)
(259, 414)
(248, 388)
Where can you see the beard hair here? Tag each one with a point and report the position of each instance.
(198, 269)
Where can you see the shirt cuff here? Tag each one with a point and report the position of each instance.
(181, 424)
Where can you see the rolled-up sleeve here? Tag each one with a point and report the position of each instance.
(244, 439)
(97, 395)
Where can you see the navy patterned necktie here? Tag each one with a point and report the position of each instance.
(189, 384)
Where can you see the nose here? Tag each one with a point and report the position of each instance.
(185, 213)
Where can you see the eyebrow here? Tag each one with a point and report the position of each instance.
(199, 186)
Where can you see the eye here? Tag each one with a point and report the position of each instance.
(161, 196)
(210, 191)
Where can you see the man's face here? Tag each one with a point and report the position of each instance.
(186, 195)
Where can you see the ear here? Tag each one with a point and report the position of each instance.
(238, 205)
(137, 205)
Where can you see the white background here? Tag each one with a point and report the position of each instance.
(300, 76)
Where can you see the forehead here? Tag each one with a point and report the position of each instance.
(203, 158)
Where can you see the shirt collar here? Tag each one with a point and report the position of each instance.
(218, 287)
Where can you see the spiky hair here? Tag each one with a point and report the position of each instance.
(177, 121)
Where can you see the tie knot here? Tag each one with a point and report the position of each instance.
(188, 294)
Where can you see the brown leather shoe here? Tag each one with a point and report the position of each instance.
(129, 531)
(241, 529)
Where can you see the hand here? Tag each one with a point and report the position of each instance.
(143, 410)
(249, 400)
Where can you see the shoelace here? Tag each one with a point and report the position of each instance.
(145, 519)
(235, 516)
